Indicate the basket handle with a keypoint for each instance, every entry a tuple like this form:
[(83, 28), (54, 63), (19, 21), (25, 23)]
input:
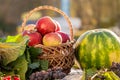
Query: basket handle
[(49, 8)]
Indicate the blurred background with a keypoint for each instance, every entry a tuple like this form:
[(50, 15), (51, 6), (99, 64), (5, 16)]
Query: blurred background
[(84, 14)]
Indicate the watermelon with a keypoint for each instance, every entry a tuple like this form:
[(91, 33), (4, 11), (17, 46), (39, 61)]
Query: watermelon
[(97, 48)]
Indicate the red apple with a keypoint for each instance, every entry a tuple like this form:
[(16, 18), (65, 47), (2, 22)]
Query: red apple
[(45, 25), (6, 78), (16, 77), (34, 38), (65, 36), (52, 39), (58, 26)]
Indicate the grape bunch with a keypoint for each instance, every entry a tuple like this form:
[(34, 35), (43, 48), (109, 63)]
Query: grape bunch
[(115, 68), (50, 74)]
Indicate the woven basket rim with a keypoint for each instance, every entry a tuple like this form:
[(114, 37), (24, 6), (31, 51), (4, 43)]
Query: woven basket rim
[(41, 45), (46, 7)]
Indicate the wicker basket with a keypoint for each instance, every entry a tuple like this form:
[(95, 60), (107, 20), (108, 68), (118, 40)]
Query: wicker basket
[(58, 56)]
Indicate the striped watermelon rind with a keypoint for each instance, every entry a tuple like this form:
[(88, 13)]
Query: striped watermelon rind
[(97, 48)]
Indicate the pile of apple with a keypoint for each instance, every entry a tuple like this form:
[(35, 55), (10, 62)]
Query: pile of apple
[(46, 31), (10, 78)]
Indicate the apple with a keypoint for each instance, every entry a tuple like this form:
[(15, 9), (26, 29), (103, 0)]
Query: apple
[(16, 77), (52, 39), (6, 78), (45, 25), (65, 36), (34, 38), (58, 26), (30, 27)]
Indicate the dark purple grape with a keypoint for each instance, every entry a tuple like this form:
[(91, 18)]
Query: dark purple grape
[(62, 75), (55, 76), (115, 68), (50, 74)]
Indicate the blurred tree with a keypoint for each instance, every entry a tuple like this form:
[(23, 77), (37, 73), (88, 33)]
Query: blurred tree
[(11, 11), (93, 13), (96, 13)]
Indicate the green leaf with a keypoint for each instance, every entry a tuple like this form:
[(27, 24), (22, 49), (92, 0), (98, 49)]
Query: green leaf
[(1, 74), (2, 39), (114, 76), (41, 64), (20, 65), (34, 52), (34, 65), (90, 72), (16, 38), (110, 75), (107, 76), (27, 56), (44, 64), (12, 50)]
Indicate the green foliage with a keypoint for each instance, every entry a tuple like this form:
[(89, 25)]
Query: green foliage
[(1, 74), (40, 64), (12, 49), (21, 65), (94, 74), (18, 67), (34, 52), (44, 64), (18, 58), (27, 55), (88, 73), (17, 39), (2, 39), (34, 65)]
